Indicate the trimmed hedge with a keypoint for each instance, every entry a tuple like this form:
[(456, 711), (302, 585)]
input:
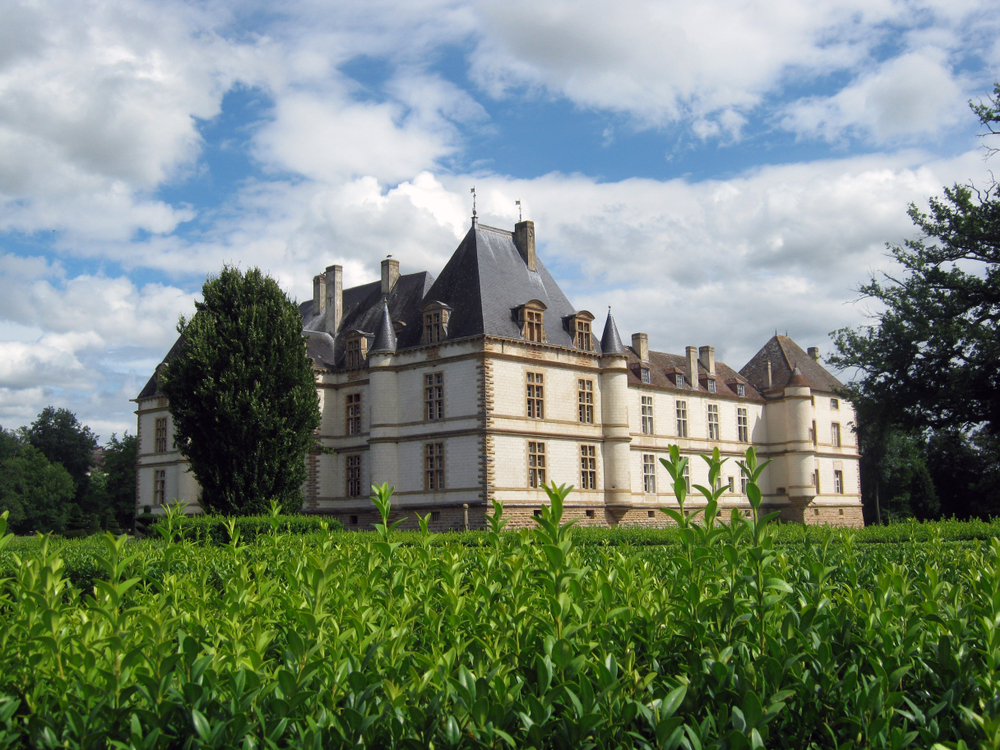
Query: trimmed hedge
[(211, 529)]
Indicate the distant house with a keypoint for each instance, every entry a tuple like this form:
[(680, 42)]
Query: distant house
[(487, 383)]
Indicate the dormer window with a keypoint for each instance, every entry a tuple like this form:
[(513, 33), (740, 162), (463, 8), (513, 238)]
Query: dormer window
[(436, 315), (531, 317), (741, 390), (357, 350), (711, 385), (644, 372), (580, 326), (680, 380)]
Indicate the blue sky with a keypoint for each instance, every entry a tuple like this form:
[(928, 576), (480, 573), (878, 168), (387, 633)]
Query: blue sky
[(713, 170)]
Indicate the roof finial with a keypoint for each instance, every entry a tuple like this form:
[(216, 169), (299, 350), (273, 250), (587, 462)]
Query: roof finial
[(474, 219), (520, 218)]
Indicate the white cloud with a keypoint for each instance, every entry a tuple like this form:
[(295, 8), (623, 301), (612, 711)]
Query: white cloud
[(912, 95)]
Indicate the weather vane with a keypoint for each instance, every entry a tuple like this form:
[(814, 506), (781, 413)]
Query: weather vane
[(473, 191), (519, 217)]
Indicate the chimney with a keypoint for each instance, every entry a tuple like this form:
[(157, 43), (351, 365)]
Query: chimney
[(319, 293), (390, 274), (768, 381), (524, 238), (692, 355), (706, 355), (640, 343), (334, 298), (814, 353)]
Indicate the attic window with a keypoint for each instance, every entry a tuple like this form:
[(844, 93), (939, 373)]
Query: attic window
[(680, 380), (436, 317), (580, 328), (645, 374), (531, 318), (357, 350), (711, 385), (741, 390)]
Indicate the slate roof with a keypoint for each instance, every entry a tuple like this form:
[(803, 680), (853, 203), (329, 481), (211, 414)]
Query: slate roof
[(785, 355), (611, 341), (663, 368), (485, 282), (363, 312)]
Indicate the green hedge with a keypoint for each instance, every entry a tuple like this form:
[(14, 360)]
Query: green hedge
[(209, 529)]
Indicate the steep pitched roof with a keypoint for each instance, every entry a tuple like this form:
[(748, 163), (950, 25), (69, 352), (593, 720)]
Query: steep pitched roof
[(663, 368), (385, 337), (611, 341), (363, 307), (487, 280), (785, 355)]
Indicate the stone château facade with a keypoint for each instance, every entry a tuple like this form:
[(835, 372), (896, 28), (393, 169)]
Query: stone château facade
[(486, 383)]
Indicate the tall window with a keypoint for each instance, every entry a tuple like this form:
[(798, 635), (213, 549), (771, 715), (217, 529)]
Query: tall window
[(161, 435), (648, 473), (835, 435), (732, 484), (743, 483), (687, 476), (433, 327), (644, 373), (434, 466), (159, 486), (353, 413), (741, 390), (816, 482), (532, 321), (536, 395), (713, 421), (582, 338), (434, 396), (586, 400), (536, 464), (711, 386), (647, 415), (357, 350), (354, 475), (588, 467), (838, 481), (682, 419), (742, 425), (680, 380)]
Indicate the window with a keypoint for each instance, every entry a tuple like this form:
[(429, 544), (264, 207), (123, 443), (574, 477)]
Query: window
[(161, 435), (812, 433), (357, 350), (644, 372), (588, 467), (536, 464), (532, 321), (712, 388), (647, 415), (835, 403), (742, 426), (159, 486), (838, 481), (649, 473), (835, 435), (353, 413), (582, 338), (354, 475), (743, 483), (434, 396), (682, 419), (536, 396), (732, 484), (815, 481), (741, 390), (680, 380), (433, 327), (687, 477), (434, 466), (586, 400), (713, 421)]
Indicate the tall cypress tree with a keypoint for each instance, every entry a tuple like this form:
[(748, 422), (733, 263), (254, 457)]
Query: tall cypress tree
[(242, 395)]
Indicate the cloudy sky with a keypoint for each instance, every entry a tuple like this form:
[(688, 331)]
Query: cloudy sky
[(715, 170)]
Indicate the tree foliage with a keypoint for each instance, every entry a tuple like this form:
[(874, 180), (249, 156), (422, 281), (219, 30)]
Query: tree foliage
[(243, 396), (36, 492), (120, 457), (60, 437)]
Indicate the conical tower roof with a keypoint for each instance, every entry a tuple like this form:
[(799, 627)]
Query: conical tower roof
[(611, 341)]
